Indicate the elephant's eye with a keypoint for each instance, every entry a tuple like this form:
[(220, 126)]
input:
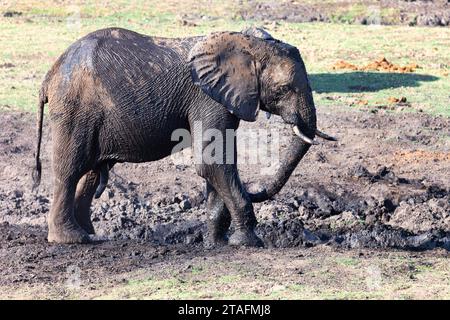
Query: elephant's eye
[(284, 89)]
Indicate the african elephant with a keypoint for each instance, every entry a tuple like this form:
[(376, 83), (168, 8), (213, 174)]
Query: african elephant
[(116, 96)]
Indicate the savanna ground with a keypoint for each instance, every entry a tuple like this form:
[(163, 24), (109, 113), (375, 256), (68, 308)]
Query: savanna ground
[(366, 217)]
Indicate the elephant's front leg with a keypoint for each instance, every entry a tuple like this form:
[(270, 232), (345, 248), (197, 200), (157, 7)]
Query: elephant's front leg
[(219, 218), (215, 156), (225, 180)]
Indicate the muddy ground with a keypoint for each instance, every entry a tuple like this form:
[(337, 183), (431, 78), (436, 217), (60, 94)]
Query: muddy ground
[(385, 12), (383, 185)]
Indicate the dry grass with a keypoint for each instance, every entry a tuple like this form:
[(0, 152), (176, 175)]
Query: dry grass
[(314, 273)]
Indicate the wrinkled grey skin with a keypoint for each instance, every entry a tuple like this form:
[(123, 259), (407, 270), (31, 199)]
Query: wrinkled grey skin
[(117, 96)]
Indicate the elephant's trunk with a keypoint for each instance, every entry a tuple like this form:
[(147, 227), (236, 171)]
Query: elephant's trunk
[(290, 161), (304, 125)]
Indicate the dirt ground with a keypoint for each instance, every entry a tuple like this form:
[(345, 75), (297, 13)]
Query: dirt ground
[(383, 187), (386, 12)]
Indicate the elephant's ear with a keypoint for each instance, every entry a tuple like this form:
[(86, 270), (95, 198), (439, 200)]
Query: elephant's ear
[(223, 67)]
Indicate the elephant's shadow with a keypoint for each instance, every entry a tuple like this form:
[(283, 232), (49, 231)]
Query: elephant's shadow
[(348, 82)]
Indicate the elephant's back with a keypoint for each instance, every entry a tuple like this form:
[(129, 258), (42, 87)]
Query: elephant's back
[(139, 71), (117, 60), (129, 57), (115, 51)]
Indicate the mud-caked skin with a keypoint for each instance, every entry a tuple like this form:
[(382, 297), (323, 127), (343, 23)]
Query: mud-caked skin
[(117, 96)]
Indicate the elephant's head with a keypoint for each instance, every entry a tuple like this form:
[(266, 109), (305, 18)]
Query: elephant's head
[(251, 71)]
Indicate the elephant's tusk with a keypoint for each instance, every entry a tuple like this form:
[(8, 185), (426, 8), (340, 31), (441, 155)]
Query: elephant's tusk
[(302, 136), (325, 136)]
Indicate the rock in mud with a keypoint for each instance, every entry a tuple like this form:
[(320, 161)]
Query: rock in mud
[(359, 171), (286, 233), (417, 218), (185, 205), (12, 13)]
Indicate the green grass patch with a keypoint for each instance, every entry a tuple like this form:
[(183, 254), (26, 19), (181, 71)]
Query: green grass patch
[(347, 261), (33, 41)]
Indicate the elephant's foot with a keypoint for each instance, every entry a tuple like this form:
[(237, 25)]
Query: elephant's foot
[(212, 241), (86, 224), (246, 238), (67, 234)]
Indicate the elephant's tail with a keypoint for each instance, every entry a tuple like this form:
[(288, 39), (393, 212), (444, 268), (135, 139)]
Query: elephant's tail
[(43, 99)]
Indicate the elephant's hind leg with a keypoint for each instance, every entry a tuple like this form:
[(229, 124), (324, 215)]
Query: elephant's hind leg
[(83, 198), (69, 165), (62, 225), (219, 218)]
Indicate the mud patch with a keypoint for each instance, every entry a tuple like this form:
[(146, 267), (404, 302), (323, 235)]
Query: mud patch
[(27, 258), (366, 12), (381, 64), (7, 65), (410, 221), (11, 14), (378, 217), (362, 191), (421, 156)]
